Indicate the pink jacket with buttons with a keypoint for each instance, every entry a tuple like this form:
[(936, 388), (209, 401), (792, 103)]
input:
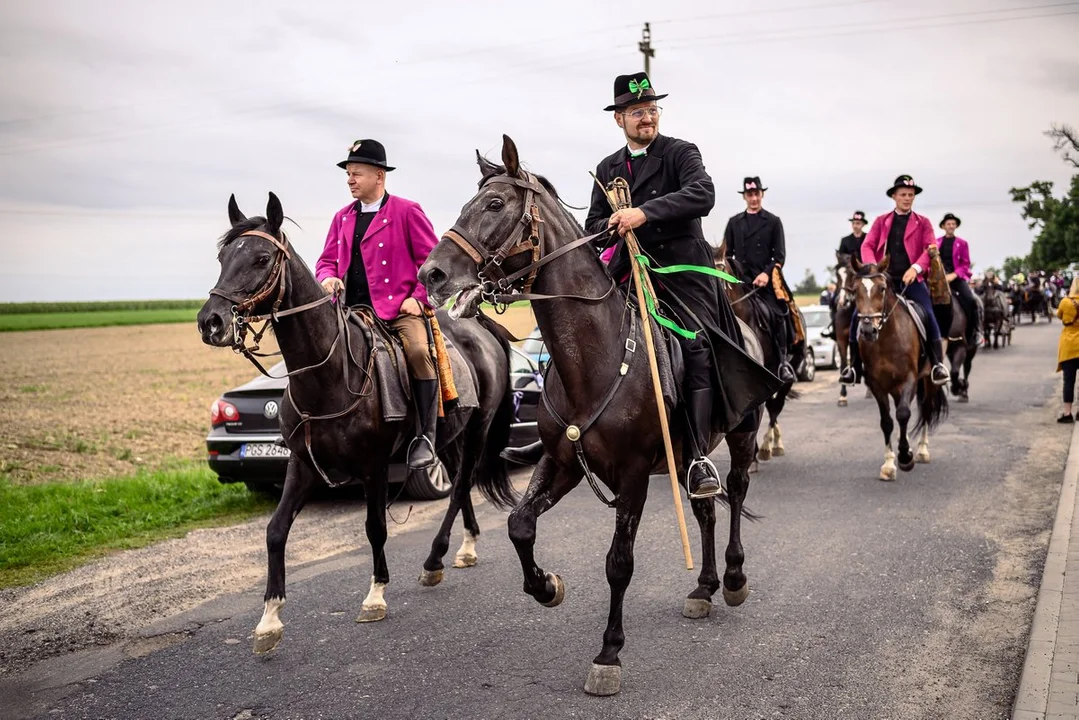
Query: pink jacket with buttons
[(394, 247)]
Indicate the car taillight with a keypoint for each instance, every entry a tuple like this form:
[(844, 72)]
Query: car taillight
[(222, 412)]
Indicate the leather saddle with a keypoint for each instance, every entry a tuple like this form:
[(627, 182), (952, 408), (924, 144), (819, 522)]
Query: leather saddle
[(391, 368)]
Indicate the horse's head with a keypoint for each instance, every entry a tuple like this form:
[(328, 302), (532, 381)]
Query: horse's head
[(253, 256), (872, 289), (847, 278), (497, 238)]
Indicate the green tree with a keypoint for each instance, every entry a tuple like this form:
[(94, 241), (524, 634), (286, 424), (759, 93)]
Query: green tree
[(809, 285), (1056, 219), (1013, 265)]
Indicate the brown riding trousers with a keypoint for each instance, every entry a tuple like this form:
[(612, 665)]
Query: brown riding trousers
[(413, 333)]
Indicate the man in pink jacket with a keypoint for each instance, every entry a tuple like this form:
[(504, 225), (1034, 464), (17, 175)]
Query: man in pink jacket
[(955, 255), (373, 252), (905, 237)]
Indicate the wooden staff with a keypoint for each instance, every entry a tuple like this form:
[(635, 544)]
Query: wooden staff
[(619, 199)]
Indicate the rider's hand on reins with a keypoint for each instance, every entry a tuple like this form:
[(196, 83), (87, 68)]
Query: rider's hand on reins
[(627, 219), (910, 276), (333, 286)]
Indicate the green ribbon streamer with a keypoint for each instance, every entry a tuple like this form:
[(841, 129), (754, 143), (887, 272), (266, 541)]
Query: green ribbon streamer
[(650, 302)]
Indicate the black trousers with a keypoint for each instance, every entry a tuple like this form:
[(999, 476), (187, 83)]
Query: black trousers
[(969, 304), (1069, 368), (781, 322)]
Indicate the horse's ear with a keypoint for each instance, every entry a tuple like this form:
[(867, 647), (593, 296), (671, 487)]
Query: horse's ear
[(235, 216), (486, 166), (509, 157), (274, 215), (883, 266), (855, 262)]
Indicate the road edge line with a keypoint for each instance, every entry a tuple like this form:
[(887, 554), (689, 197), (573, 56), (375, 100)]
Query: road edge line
[(1032, 697)]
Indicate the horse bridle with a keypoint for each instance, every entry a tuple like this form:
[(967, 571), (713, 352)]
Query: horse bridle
[(886, 313), (276, 281), (496, 287)]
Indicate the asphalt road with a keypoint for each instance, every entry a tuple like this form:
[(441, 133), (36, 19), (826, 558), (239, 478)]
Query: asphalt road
[(909, 599)]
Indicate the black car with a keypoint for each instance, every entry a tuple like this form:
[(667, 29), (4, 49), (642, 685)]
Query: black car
[(244, 427)]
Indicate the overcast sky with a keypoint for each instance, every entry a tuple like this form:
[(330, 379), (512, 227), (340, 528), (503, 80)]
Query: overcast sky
[(125, 124)]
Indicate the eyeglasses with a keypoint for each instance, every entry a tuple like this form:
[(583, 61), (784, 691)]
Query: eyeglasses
[(654, 111)]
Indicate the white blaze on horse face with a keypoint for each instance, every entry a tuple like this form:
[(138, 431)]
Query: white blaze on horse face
[(868, 284)]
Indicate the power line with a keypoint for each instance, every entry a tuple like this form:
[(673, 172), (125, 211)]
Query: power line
[(833, 30), (772, 11)]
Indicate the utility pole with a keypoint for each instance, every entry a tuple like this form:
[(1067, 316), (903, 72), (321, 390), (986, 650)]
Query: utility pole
[(646, 47)]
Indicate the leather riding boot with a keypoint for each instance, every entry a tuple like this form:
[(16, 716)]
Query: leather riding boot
[(785, 372), (853, 371), (702, 479), (527, 455), (939, 373), (421, 452)]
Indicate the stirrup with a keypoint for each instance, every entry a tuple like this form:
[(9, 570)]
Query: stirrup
[(408, 453), (933, 370), (853, 377), (703, 460)]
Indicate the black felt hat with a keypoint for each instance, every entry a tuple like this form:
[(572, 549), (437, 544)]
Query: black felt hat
[(903, 181), (858, 215), (948, 217), (368, 152), (632, 89), (751, 183)]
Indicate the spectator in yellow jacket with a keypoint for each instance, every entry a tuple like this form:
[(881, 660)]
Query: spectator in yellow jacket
[(1068, 350)]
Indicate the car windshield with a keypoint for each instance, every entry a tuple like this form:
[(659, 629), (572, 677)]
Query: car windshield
[(533, 344), (520, 363), (816, 318)]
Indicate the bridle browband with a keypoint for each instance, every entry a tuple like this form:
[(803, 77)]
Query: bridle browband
[(498, 288), (886, 313)]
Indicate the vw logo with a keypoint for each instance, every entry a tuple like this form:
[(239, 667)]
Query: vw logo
[(270, 410)]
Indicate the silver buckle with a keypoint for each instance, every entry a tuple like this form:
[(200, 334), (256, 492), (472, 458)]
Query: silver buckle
[(631, 345)]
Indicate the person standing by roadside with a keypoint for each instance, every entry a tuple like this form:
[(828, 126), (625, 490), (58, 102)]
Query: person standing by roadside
[(1068, 348)]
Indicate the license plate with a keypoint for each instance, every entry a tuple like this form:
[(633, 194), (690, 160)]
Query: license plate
[(263, 450)]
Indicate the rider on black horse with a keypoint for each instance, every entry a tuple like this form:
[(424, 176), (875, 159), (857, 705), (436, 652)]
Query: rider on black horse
[(955, 254), (755, 239), (672, 192), (851, 245), (904, 237), (373, 253)]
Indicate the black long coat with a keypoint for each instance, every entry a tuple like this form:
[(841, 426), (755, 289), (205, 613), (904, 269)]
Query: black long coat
[(851, 245), (758, 251), (673, 189)]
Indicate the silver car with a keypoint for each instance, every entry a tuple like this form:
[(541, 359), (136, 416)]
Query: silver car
[(825, 350)]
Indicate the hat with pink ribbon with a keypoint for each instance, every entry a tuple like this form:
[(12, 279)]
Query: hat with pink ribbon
[(751, 183), (903, 181)]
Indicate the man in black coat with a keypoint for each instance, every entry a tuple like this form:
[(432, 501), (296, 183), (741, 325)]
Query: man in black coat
[(671, 192), (850, 246), (754, 239)]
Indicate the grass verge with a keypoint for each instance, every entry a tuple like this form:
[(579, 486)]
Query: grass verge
[(55, 526), (96, 318)]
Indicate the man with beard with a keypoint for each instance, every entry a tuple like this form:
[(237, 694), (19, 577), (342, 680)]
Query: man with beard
[(672, 192)]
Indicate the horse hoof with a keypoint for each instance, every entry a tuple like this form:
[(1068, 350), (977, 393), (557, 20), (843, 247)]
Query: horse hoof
[(764, 455), (754, 468), (887, 474), (465, 561), (734, 598), (922, 458), (842, 402), (963, 399), (906, 466), (374, 613), (779, 452), (603, 680), (430, 578), (265, 642), (559, 592), (696, 608)]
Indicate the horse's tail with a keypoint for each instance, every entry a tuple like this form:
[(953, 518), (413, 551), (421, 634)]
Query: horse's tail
[(493, 478), (932, 405), (793, 394)]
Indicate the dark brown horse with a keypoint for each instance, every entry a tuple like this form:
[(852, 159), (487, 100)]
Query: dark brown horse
[(759, 320), (895, 367), (846, 291), (961, 353), (599, 416), (331, 416), (996, 315), (1032, 300)]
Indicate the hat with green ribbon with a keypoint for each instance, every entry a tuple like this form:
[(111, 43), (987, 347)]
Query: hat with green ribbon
[(632, 89)]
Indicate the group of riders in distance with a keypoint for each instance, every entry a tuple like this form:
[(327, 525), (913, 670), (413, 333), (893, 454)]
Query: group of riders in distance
[(376, 366)]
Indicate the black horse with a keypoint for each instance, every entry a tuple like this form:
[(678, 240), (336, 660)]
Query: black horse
[(332, 413), (1032, 300), (749, 306), (600, 409), (960, 352), (996, 321)]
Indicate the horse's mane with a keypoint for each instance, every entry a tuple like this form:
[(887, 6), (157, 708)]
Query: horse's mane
[(867, 270), (547, 185)]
